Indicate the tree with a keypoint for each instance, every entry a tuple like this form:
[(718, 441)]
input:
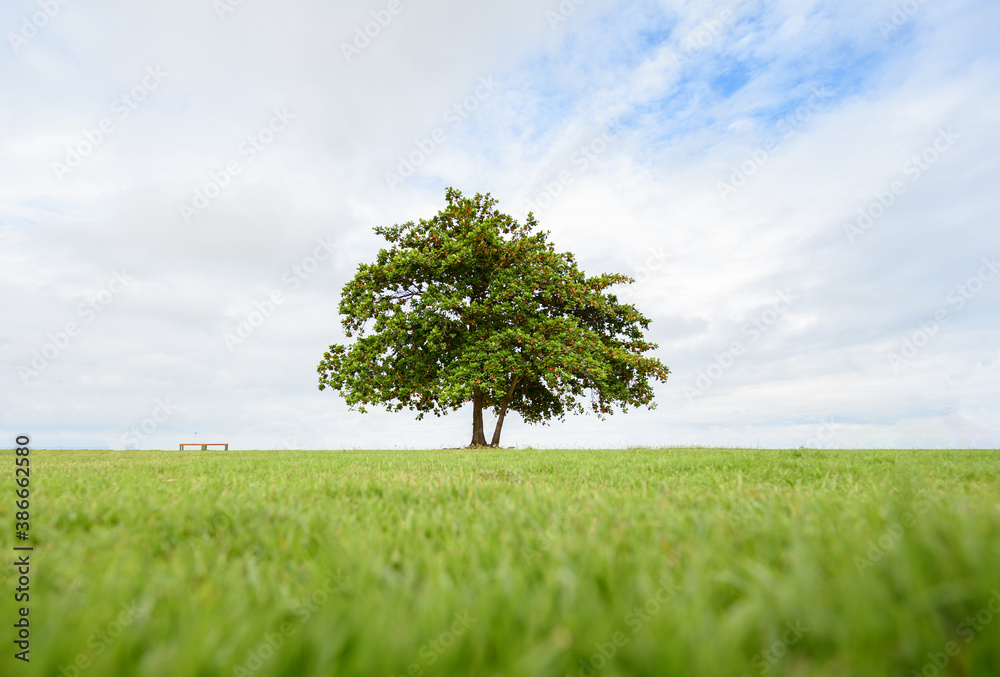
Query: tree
[(471, 306)]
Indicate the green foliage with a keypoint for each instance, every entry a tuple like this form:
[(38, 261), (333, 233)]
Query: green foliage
[(471, 305), (551, 552)]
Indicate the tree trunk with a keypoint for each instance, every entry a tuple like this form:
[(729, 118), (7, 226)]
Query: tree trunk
[(503, 412), (478, 438)]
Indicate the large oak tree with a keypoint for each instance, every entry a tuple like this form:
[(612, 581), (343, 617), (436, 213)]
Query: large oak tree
[(472, 306)]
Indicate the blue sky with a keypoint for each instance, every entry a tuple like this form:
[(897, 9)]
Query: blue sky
[(804, 191)]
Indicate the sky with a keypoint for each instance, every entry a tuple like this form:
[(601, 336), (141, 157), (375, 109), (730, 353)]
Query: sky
[(805, 192)]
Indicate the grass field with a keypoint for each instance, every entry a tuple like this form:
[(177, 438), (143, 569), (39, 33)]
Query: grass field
[(500, 562)]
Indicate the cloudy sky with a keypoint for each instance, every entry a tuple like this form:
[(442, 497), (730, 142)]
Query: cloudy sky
[(806, 193)]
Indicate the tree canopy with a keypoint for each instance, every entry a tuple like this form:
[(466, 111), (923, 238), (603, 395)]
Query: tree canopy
[(472, 306)]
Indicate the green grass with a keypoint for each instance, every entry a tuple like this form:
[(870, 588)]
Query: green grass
[(360, 562)]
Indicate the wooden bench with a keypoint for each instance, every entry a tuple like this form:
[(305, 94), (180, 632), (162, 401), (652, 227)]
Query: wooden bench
[(205, 445)]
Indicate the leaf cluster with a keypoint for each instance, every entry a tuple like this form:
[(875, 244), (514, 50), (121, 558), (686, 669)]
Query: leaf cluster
[(472, 302)]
